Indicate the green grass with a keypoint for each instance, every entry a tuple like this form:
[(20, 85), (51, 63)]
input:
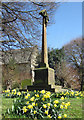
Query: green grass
[(6, 103), (74, 111)]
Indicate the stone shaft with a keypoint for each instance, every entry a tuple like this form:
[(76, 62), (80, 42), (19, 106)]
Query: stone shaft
[(44, 44)]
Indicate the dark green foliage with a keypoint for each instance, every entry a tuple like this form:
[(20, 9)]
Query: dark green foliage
[(26, 82), (55, 56)]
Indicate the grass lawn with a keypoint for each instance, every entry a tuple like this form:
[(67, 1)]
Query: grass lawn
[(74, 111)]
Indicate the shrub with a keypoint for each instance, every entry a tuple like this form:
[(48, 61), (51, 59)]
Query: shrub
[(25, 82)]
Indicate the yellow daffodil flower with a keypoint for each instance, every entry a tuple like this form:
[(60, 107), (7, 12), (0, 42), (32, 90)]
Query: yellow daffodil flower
[(55, 105), (72, 93), (28, 94), (43, 99), (48, 104), (56, 101), (59, 117), (46, 112), (30, 106), (26, 97), (42, 91), (65, 115), (63, 103), (32, 99), (35, 91), (27, 102), (19, 93), (62, 98), (33, 104), (44, 106), (34, 112), (65, 106), (24, 109), (49, 116), (37, 95), (61, 106)]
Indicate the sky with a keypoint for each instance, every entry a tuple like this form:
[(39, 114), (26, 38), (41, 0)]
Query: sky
[(68, 25)]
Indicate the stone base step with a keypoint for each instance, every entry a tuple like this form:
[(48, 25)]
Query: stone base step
[(40, 87), (56, 86), (52, 88), (60, 90)]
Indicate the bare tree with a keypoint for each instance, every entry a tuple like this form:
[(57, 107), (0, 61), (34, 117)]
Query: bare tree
[(74, 56), (67, 75), (21, 23)]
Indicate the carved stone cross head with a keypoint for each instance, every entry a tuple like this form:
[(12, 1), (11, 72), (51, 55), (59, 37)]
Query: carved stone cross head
[(45, 15)]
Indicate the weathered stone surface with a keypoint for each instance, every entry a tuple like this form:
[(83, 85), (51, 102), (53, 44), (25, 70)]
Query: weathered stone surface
[(44, 76), (25, 61), (44, 40)]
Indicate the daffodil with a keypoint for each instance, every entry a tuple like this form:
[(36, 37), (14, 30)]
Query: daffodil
[(32, 99), (28, 94), (46, 112), (49, 93), (48, 104), (26, 97), (30, 106), (8, 91), (62, 98), (49, 116), (44, 106), (27, 102), (65, 115), (63, 103), (19, 93), (35, 91), (34, 112), (65, 106), (59, 117), (56, 101), (24, 109), (36, 104), (42, 91), (61, 106), (37, 95), (72, 93), (55, 105), (33, 104), (68, 103), (46, 96), (43, 99)]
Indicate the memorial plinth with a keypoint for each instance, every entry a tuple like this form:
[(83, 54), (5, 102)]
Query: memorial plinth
[(44, 76)]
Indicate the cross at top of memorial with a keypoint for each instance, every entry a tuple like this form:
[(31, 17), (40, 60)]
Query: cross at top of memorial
[(44, 14)]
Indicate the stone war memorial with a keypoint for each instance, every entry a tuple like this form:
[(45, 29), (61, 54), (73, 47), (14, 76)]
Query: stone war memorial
[(44, 75)]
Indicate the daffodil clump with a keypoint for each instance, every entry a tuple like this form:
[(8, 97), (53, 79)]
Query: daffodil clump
[(13, 93), (66, 94), (70, 94), (39, 104)]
